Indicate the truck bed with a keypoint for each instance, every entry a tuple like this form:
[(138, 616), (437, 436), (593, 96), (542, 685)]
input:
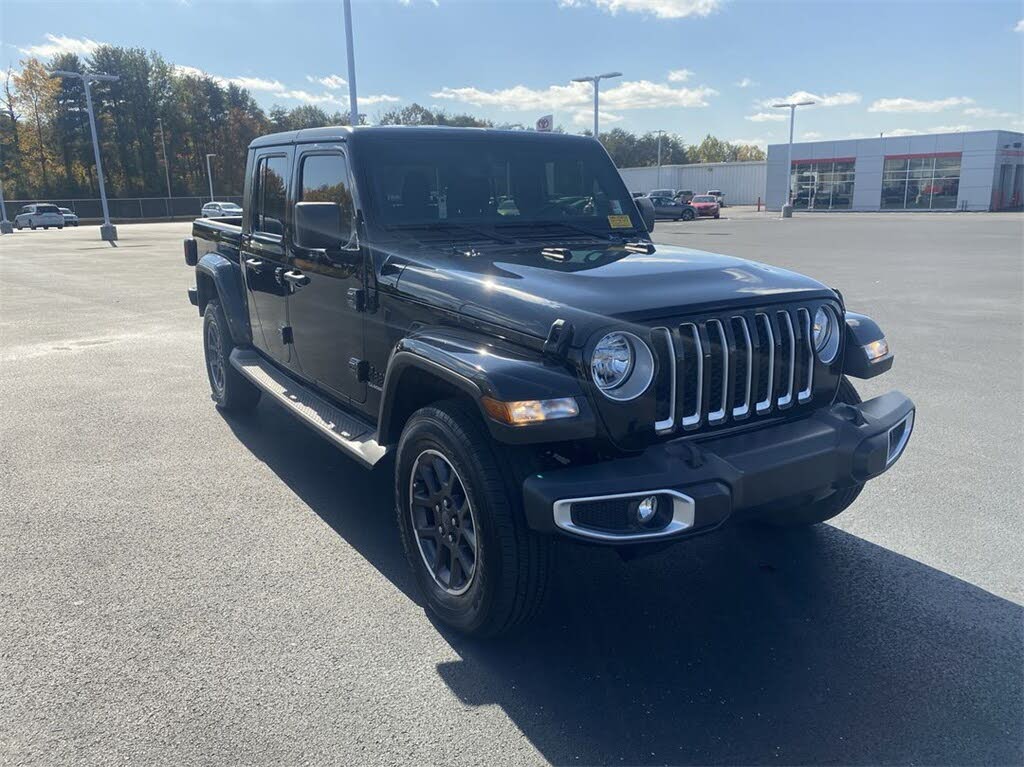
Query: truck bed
[(222, 235)]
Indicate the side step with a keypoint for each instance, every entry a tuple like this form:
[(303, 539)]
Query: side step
[(350, 433)]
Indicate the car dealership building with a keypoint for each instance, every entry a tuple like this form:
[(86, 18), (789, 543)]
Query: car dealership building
[(974, 170)]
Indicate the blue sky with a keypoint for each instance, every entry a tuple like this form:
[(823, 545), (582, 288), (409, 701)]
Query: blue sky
[(689, 66)]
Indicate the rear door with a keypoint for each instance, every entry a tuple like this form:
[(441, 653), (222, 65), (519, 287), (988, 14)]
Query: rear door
[(264, 252), (325, 309)]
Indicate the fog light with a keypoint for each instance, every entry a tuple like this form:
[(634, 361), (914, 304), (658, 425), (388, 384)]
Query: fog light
[(647, 509)]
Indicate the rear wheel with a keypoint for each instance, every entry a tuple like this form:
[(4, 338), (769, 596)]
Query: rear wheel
[(229, 388), (480, 569), (828, 507)]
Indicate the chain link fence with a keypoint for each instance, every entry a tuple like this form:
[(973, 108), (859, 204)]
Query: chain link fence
[(123, 209)]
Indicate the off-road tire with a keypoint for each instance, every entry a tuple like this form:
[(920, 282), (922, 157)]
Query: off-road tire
[(512, 562), (229, 389), (825, 508)]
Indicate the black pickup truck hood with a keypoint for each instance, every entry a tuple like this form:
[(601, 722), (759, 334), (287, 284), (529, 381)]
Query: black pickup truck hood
[(526, 288)]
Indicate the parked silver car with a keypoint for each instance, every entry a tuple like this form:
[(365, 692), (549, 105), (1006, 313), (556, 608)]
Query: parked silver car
[(70, 217), (220, 209), (39, 214)]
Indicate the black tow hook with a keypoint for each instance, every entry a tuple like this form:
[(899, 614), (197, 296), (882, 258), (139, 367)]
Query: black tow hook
[(850, 413), (692, 455)]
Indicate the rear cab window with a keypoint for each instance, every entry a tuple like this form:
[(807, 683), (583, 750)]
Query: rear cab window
[(270, 195)]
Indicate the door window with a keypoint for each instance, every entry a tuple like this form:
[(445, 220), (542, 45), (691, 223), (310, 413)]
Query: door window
[(271, 195)]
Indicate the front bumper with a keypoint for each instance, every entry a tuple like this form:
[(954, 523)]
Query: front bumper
[(708, 481)]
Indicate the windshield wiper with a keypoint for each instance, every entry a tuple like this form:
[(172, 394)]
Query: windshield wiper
[(613, 236), (442, 226)]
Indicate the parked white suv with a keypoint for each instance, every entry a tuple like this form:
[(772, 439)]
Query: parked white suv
[(220, 209), (39, 214)]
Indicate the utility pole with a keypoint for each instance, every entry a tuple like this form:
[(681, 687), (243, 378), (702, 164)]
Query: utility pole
[(353, 107), (108, 232), (167, 162), (660, 134), (787, 207), (596, 80), (6, 227), (209, 175)]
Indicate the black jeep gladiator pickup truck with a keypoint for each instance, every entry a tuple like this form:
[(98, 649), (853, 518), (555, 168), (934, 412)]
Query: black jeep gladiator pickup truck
[(487, 310)]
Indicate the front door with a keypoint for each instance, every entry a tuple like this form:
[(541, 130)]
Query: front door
[(264, 254), (325, 310)]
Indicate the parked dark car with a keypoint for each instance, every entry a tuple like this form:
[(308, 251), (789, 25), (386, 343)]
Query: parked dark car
[(684, 196), (666, 207), (531, 370)]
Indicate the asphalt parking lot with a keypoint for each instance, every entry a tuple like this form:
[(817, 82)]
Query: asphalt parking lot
[(182, 587)]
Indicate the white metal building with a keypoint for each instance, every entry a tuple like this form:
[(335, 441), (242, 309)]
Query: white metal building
[(742, 183), (976, 170)]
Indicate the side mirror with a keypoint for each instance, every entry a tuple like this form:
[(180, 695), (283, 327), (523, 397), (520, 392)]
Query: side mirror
[(321, 226), (646, 208)]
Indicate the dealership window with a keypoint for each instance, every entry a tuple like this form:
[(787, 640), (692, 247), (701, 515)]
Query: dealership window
[(823, 184), (920, 182)]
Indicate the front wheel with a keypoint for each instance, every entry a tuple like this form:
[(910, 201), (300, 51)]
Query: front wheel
[(480, 569), (688, 215), (825, 508), (717, 216), (228, 388)]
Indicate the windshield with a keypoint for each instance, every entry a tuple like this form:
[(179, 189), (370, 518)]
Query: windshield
[(230, 207), (64, 210), (46, 209), (703, 198), (493, 181)]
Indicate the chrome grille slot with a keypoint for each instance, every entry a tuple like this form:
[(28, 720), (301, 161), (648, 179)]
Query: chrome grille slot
[(743, 368), (692, 380), (718, 374), (666, 351), (766, 363), (807, 356), (787, 359)]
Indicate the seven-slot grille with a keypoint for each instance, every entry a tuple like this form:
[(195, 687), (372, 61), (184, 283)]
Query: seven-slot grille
[(733, 367)]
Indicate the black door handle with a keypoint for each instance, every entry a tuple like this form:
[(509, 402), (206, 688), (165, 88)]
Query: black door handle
[(255, 263), (296, 278)]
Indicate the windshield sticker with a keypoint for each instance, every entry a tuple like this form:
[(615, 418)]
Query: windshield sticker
[(616, 207), (619, 222)]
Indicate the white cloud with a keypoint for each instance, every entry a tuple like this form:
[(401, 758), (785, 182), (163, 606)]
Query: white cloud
[(187, 71), (309, 98), (585, 118), (987, 112), (811, 135), (950, 129), (407, 3), (897, 132), (380, 98), (82, 46), (679, 75), (662, 9), (331, 82), (745, 82), (1019, 27), (918, 105), (764, 117), (760, 141), (251, 83), (840, 99), (639, 94)]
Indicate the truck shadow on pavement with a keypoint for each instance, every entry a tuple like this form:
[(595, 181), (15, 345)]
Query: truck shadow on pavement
[(739, 647)]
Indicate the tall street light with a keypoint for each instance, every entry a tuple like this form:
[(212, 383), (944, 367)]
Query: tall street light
[(660, 134), (108, 231), (353, 108), (209, 175), (787, 207), (167, 163), (596, 80)]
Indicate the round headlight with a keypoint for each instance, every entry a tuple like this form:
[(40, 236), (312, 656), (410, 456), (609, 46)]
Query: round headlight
[(826, 334), (622, 366)]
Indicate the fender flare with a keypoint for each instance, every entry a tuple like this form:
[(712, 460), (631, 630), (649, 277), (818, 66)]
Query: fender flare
[(217, 277), (479, 366), (861, 330)]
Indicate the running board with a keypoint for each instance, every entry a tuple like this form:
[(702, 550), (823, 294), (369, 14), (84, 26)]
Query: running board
[(350, 433)]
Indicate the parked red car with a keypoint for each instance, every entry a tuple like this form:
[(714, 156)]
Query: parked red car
[(705, 205)]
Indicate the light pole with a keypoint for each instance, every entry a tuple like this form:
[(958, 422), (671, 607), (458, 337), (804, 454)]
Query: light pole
[(108, 231), (660, 134), (6, 227), (209, 175), (596, 80), (787, 206), (353, 108), (167, 163)]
